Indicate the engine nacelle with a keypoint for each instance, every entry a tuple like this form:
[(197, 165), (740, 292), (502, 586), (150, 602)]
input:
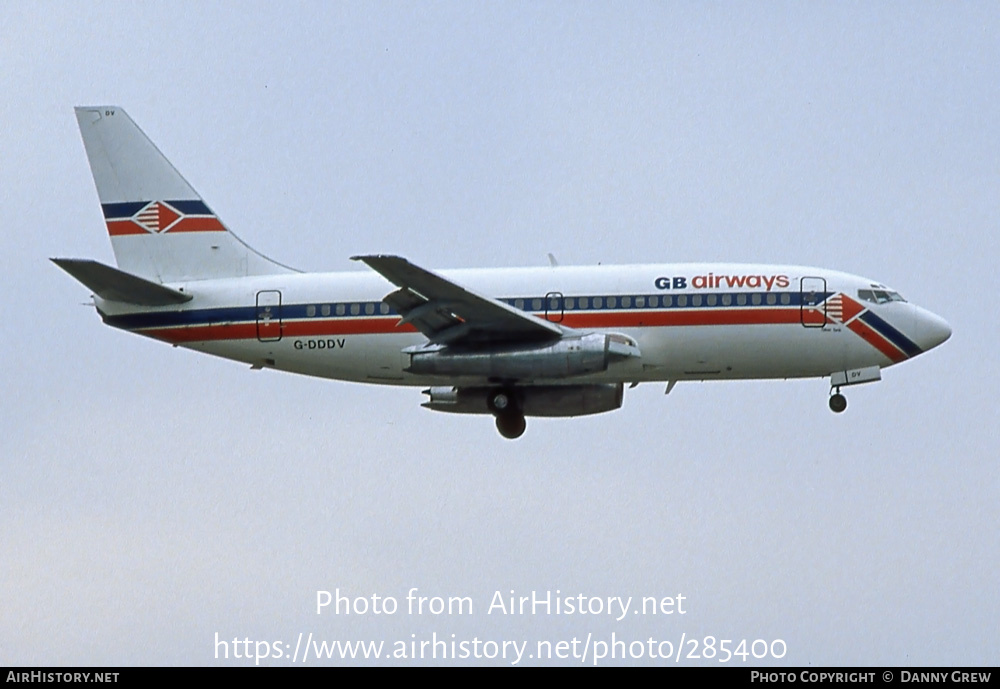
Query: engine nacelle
[(570, 356), (543, 400)]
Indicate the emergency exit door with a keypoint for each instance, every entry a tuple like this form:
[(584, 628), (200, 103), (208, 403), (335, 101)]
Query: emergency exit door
[(269, 316), (812, 300)]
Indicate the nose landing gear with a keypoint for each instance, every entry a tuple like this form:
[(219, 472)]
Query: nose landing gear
[(838, 402), (854, 376)]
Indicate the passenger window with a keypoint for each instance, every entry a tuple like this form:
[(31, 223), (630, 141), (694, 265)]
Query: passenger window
[(626, 302), (727, 299), (325, 309), (772, 299), (570, 304), (612, 302), (519, 304), (536, 304), (369, 308), (682, 300), (712, 299), (584, 302), (310, 311), (741, 300), (598, 302), (640, 302), (383, 308), (340, 309), (355, 309), (755, 299), (696, 300), (786, 298)]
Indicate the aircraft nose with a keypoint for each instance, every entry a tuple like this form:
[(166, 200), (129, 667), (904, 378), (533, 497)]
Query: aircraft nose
[(930, 329)]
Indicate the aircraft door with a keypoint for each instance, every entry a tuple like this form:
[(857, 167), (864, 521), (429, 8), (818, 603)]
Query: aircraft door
[(269, 315), (812, 300), (554, 306)]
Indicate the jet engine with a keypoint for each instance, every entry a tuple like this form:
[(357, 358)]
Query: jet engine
[(570, 356)]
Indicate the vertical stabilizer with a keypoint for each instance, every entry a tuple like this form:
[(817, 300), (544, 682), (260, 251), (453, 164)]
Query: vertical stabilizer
[(160, 227)]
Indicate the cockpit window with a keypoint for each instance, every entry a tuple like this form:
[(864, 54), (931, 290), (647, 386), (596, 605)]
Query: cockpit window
[(879, 296)]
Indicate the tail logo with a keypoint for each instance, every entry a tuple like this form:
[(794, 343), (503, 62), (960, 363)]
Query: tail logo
[(842, 308), (158, 217)]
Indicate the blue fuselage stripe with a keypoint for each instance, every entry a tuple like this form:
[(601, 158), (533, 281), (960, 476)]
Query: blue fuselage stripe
[(567, 304), (890, 333)]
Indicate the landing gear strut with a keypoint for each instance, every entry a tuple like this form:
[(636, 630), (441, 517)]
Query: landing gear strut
[(838, 402), (507, 410)]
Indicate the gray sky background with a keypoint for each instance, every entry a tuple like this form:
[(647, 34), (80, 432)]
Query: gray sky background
[(151, 497)]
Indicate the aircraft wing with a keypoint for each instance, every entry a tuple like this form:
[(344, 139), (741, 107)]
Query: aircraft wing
[(450, 314)]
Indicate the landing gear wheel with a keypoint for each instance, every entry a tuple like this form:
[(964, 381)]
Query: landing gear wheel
[(511, 424), (505, 404), (838, 403)]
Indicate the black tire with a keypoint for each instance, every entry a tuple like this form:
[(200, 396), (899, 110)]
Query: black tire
[(838, 403), (511, 426)]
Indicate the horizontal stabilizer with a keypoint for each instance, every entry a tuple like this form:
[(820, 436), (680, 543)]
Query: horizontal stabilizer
[(117, 285)]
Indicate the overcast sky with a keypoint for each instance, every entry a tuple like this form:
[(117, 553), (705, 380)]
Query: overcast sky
[(153, 497)]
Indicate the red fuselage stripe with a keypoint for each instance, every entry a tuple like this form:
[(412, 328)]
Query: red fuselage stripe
[(382, 325), (876, 340)]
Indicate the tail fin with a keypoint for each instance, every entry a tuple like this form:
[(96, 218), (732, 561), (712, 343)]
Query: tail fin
[(160, 228)]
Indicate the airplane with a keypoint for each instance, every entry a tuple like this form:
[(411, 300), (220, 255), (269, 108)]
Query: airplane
[(548, 341)]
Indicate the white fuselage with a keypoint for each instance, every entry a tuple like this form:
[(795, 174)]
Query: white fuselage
[(690, 321)]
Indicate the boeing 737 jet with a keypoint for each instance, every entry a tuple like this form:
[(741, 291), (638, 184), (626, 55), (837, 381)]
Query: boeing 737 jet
[(554, 341)]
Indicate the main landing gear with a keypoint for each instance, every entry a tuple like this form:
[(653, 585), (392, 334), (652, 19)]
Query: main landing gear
[(507, 409), (838, 402)]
